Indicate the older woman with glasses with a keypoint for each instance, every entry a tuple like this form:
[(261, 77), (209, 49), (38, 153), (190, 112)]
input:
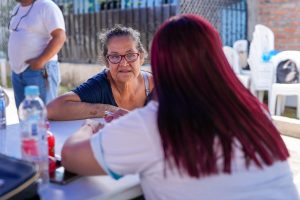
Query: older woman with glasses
[(119, 88)]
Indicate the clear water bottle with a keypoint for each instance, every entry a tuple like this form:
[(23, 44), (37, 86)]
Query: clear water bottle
[(2, 110), (32, 115)]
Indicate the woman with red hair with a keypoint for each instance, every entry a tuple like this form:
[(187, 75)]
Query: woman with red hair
[(206, 136)]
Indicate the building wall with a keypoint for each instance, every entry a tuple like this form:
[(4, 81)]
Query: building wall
[(283, 18)]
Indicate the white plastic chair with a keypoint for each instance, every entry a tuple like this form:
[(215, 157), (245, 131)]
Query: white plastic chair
[(241, 46), (261, 72), (280, 90), (233, 59)]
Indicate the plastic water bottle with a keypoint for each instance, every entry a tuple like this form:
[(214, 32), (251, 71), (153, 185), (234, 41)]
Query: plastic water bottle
[(32, 114), (2, 110)]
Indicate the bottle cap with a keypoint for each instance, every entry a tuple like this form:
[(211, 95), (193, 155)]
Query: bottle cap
[(32, 90)]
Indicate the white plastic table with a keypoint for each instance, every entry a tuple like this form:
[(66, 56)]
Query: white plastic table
[(93, 187), (104, 187)]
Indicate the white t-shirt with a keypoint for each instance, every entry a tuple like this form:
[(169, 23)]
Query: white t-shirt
[(132, 145), (33, 32)]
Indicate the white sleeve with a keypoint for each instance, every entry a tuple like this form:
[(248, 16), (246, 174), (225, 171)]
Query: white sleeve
[(96, 144), (125, 146), (53, 17)]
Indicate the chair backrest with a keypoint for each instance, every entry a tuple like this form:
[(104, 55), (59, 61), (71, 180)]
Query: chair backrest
[(261, 73), (265, 36), (294, 56), (241, 46), (232, 57), (262, 42)]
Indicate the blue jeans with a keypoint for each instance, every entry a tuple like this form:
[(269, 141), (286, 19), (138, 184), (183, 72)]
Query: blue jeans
[(48, 86)]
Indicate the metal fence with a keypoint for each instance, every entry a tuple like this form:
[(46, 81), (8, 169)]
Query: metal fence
[(86, 18), (228, 16)]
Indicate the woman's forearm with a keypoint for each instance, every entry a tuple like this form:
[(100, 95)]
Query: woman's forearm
[(70, 110), (83, 162)]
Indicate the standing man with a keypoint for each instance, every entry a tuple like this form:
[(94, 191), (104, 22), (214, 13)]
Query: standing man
[(37, 33)]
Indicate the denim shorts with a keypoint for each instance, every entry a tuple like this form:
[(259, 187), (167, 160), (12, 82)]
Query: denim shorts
[(48, 86)]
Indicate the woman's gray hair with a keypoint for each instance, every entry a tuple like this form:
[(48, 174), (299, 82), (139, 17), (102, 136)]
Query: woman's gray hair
[(118, 31)]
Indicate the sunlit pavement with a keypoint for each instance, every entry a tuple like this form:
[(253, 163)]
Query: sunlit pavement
[(293, 145), (11, 110)]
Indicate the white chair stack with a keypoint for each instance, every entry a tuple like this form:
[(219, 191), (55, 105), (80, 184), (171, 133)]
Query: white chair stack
[(241, 46), (278, 91), (261, 72), (233, 59)]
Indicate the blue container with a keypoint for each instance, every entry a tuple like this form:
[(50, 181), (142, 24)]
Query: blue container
[(2, 110)]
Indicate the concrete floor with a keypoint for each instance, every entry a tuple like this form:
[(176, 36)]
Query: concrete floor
[(293, 145), (11, 110)]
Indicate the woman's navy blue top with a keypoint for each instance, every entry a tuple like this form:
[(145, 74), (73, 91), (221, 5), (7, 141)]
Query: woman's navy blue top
[(98, 90)]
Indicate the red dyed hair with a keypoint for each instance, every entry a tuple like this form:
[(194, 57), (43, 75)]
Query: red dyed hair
[(201, 99)]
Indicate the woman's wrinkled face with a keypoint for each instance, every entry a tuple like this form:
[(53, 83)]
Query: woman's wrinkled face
[(129, 66)]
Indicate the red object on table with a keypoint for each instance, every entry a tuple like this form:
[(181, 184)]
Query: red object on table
[(52, 165), (29, 147), (51, 150), (51, 141)]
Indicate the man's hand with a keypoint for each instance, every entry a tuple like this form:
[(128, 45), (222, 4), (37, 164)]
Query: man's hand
[(36, 63), (53, 47)]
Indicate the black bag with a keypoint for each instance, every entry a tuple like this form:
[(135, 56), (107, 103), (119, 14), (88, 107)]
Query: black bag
[(18, 179), (287, 72)]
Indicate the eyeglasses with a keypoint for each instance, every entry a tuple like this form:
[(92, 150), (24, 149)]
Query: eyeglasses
[(116, 59), (16, 28)]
